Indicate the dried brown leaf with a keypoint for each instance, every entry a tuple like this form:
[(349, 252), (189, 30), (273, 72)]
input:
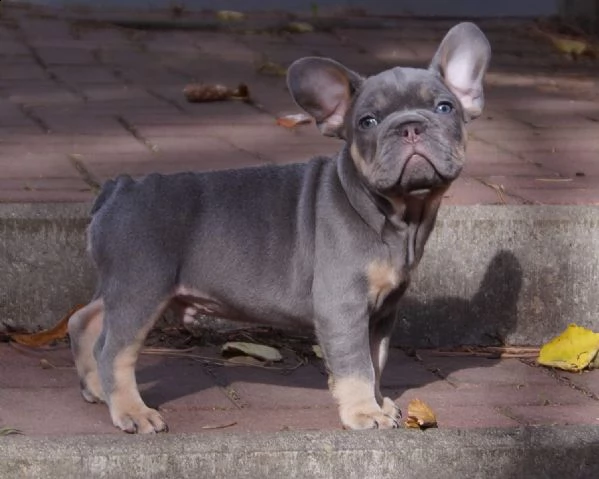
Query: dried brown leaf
[(204, 93), (291, 121), (420, 414), (47, 336)]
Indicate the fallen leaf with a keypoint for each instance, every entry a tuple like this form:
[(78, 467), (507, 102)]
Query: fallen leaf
[(258, 351), (45, 364), (219, 426), (291, 121), (556, 180), (573, 350), (47, 336), (420, 415), (243, 361), (569, 46), (202, 93), (299, 27), (7, 431), (230, 16), (270, 68), (488, 351), (317, 351)]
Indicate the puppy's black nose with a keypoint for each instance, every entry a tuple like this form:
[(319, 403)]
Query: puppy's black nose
[(411, 132)]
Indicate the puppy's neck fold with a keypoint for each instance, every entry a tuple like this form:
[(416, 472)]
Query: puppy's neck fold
[(360, 198)]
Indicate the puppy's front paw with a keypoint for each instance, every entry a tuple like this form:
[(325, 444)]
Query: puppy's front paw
[(358, 408), (370, 416), (142, 419), (391, 409)]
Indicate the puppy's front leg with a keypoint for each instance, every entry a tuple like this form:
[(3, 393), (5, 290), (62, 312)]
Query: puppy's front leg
[(380, 337), (346, 347)]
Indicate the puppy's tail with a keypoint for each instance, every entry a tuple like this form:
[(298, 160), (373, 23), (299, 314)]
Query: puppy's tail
[(108, 190)]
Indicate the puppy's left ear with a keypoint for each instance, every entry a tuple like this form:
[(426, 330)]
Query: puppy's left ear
[(462, 60), (323, 88)]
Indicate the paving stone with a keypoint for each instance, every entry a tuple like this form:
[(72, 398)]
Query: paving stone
[(21, 162), (66, 56), (305, 388), (471, 417), (102, 37), (39, 93), (53, 411), (556, 415), (84, 74), (587, 380), (46, 196), (471, 191), (37, 28), (23, 72)]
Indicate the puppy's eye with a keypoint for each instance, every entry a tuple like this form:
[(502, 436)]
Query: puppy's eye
[(367, 122), (444, 107)]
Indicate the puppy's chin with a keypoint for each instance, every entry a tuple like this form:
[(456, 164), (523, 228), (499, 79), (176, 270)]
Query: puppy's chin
[(418, 178)]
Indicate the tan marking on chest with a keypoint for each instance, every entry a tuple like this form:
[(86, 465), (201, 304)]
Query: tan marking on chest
[(382, 279), (359, 160)]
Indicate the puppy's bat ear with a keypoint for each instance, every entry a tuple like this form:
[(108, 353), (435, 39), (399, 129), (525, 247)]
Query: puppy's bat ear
[(462, 60), (324, 89)]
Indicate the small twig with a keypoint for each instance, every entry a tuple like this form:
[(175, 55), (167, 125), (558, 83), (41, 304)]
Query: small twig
[(7, 431), (207, 359), (498, 189), (219, 426)]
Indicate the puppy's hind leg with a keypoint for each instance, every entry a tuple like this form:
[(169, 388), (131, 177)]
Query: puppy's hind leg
[(85, 326), (128, 318)]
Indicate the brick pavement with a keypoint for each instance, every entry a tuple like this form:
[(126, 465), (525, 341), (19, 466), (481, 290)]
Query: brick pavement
[(39, 393), (112, 97)]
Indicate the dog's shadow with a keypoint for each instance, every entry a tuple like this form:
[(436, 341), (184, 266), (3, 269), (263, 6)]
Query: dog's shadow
[(485, 319)]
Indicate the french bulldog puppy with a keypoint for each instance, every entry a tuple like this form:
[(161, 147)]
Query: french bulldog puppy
[(330, 243)]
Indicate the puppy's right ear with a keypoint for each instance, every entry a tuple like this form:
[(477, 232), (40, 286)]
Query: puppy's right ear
[(324, 89)]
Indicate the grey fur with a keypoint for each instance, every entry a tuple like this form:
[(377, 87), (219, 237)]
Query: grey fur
[(293, 244)]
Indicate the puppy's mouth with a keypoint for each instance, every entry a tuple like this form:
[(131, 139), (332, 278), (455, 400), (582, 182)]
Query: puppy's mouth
[(419, 176)]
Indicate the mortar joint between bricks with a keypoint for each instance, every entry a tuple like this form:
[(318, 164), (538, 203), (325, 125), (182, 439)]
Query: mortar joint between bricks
[(44, 66), (562, 379), (133, 131)]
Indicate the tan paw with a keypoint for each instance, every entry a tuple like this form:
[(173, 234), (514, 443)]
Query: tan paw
[(358, 408), (370, 417), (142, 420), (91, 390), (391, 409)]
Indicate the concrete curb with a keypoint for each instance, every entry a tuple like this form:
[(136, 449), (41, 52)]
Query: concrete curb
[(490, 274), (570, 451)]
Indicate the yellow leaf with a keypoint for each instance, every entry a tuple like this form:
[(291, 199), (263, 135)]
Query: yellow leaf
[(300, 27), (569, 46), (317, 350), (420, 415), (230, 16), (271, 68), (573, 350)]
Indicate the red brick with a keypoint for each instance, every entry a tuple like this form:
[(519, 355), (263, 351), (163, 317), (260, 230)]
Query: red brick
[(556, 415)]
